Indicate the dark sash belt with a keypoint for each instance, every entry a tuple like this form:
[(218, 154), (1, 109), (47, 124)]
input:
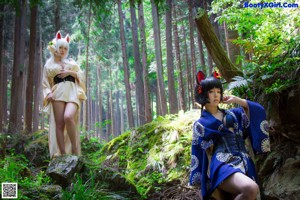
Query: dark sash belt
[(56, 79), (230, 143)]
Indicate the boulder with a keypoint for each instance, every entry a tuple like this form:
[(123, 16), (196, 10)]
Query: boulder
[(52, 191), (45, 192), (63, 168), (115, 181), (37, 151), (284, 183)]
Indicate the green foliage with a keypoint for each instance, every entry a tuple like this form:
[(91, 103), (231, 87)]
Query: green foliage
[(153, 154), (271, 36), (266, 33), (14, 169)]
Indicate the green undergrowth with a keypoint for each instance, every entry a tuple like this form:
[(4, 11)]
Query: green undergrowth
[(14, 169), (153, 154)]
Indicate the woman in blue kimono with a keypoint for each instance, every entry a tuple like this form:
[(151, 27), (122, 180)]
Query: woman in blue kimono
[(220, 162)]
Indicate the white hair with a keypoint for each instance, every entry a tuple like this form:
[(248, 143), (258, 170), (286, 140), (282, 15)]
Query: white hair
[(62, 42)]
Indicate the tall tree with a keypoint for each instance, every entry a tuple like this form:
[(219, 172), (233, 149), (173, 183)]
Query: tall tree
[(108, 116), (148, 111), (29, 88), (6, 46), (139, 85), (201, 50), (188, 72), (87, 105), (38, 74), (233, 50), (13, 116), (126, 68), (173, 103), (158, 55), (192, 48), (122, 112), (1, 64), (181, 92), (57, 21), (22, 68), (100, 103), (111, 105), (117, 114)]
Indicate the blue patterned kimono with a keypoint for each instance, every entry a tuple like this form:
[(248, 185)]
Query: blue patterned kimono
[(218, 147)]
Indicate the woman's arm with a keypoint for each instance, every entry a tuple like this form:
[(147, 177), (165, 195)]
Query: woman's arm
[(234, 99)]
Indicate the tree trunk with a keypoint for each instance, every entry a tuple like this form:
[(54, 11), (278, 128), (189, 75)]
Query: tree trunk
[(87, 105), (210, 64), (1, 66), (201, 51), (117, 114), (226, 67), (122, 112), (29, 88), (108, 116), (234, 50), (173, 102), (13, 112), (57, 15), (111, 107), (37, 82), (158, 55), (6, 34), (139, 84), (126, 68), (192, 48), (99, 90), (181, 94), (188, 78), (148, 111)]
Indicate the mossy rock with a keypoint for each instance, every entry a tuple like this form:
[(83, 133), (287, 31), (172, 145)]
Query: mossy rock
[(37, 151)]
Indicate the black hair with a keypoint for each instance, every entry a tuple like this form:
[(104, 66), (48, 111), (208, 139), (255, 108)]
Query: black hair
[(202, 89)]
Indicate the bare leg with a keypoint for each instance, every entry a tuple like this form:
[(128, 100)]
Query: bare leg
[(69, 118), (240, 185), (59, 109)]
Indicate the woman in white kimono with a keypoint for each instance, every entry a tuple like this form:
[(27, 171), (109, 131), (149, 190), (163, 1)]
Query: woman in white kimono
[(64, 90)]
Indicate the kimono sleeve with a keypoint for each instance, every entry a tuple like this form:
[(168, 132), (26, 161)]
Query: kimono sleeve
[(198, 156), (258, 128), (46, 85)]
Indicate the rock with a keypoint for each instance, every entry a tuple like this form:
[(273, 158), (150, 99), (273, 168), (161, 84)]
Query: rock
[(284, 183), (37, 151), (52, 191), (45, 192), (115, 180), (269, 164), (63, 168)]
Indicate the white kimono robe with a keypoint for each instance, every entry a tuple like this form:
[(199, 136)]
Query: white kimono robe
[(66, 91)]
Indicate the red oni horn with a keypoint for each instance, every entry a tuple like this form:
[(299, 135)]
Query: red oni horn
[(200, 77)]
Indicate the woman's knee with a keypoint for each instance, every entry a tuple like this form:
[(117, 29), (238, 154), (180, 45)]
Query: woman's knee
[(69, 118), (60, 125), (250, 190)]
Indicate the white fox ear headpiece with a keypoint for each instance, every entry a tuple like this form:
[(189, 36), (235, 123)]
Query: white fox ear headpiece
[(57, 42)]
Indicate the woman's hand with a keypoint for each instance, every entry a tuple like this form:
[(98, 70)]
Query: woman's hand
[(234, 99), (64, 73), (229, 99), (50, 97)]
